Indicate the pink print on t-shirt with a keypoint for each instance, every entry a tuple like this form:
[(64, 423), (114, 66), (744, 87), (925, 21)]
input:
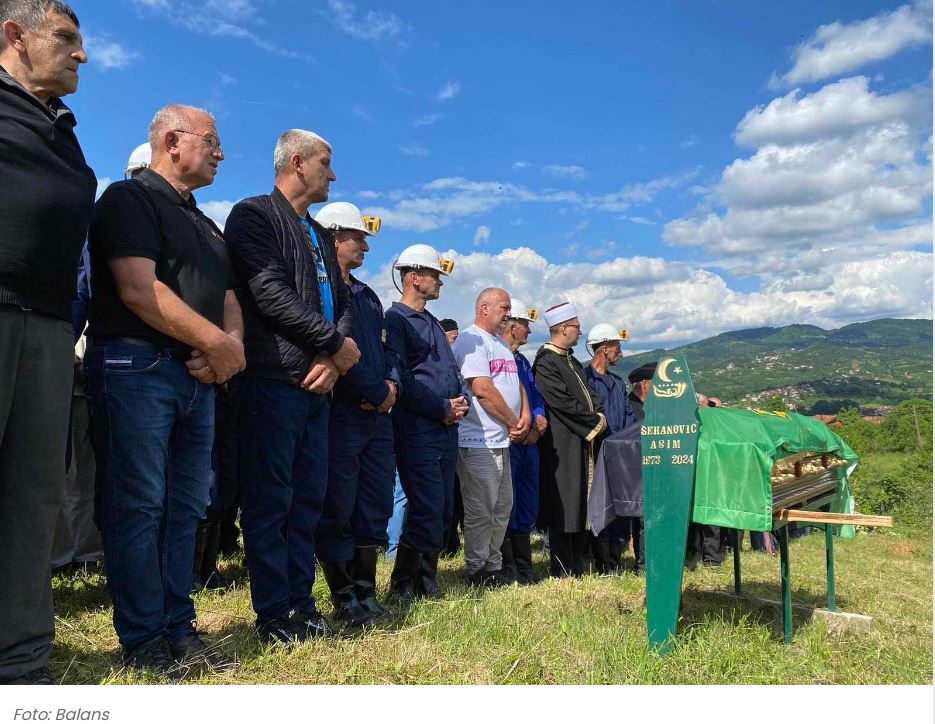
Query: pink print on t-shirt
[(502, 365)]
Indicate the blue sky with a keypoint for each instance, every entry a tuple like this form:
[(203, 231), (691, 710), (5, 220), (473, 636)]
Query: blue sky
[(678, 168)]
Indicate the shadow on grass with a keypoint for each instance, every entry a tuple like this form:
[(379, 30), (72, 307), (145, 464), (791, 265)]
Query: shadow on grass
[(698, 606)]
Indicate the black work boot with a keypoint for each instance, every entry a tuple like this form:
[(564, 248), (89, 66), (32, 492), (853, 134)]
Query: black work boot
[(201, 540), (508, 570), (211, 577), (405, 573), (347, 609), (427, 584), (522, 555), (364, 573)]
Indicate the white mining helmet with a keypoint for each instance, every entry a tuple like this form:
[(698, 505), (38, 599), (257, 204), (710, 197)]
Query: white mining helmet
[(141, 158), (344, 215), (605, 333), (422, 256), (518, 310)]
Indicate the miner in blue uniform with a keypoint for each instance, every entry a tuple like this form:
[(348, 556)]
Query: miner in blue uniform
[(604, 343), (524, 456), (425, 420), (361, 469)]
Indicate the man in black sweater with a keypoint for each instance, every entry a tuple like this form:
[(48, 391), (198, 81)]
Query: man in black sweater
[(46, 199)]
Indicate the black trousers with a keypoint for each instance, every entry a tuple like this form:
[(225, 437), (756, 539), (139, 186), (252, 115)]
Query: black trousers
[(36, 376), (566, 551), (704, 541)]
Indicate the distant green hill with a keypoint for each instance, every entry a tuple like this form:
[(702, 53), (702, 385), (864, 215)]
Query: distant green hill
[(871, 365)]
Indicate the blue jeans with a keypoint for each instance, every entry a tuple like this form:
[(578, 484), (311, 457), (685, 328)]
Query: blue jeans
[(394, 529), (284, 474), (152, 430)]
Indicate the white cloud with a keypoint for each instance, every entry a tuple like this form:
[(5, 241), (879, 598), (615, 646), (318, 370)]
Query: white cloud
[(638, 220), (102, 183), (837, 109), (692, 140), (428, 119), (448, 91), (107, 54), (638, 193), (839, 48), (237, 19), (227, 79), (413, 149), (666, 303), (373, 26), (838, 175), (217, 211), (519, 165), (573, 172), (481, 235), (441, 202)]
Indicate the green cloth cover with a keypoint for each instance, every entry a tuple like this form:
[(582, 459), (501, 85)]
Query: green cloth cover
[(736, 452)]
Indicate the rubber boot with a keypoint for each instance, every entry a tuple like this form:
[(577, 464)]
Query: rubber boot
[(600, 549), (364, 573), (508, 572), (522, 555), (428, 572), (615, 555), (405, 573), (201, 541), (210, 575), (347, 609)]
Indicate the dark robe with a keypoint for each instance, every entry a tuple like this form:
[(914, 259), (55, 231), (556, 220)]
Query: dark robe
[(566, 450), (636, 404)]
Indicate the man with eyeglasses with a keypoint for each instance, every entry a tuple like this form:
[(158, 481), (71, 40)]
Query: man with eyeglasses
[(165, 327), (566, 449), (46, 199)]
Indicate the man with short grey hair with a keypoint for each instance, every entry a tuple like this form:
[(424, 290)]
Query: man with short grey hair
[(165, 327), (501, 416), (298, 318), (46, 201)]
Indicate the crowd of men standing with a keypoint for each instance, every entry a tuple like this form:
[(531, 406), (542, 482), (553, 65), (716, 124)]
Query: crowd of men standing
[(259, 344)]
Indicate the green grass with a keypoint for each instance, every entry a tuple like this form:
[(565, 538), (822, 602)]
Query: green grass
[(587, 631)]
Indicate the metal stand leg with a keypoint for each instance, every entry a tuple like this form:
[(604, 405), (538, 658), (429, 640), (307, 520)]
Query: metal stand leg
[(737, 542), (829, 566), (786, 585)]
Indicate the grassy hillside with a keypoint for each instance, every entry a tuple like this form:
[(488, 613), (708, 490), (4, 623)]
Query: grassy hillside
[(587, 631), (871, 365)]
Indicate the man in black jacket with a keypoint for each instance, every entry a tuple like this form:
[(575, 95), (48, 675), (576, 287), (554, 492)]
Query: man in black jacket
[(46, 200), (297, 318)]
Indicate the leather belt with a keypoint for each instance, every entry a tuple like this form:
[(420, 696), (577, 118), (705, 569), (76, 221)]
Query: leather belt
[(175, 353)]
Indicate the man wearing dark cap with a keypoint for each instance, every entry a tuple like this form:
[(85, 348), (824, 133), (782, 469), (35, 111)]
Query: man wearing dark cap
[(640, 381), (703, 540)]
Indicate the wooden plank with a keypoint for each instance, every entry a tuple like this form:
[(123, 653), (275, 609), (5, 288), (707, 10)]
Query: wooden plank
[(815, 516)]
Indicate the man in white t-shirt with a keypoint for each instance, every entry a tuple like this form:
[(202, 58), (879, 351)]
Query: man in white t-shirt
[(499, 414)]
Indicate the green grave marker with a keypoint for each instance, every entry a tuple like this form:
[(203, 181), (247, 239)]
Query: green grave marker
[(669, 447)]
